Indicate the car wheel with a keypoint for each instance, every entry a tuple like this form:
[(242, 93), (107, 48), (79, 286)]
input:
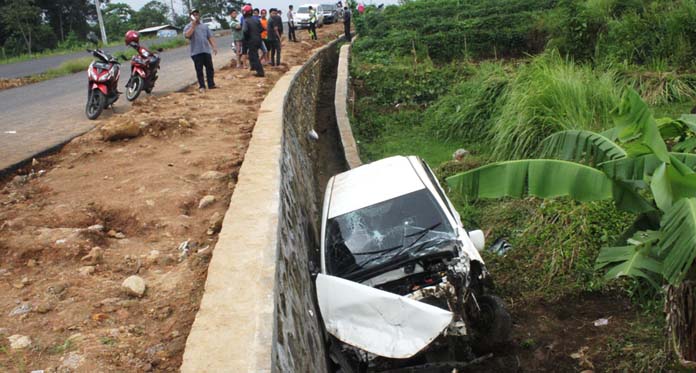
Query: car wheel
[(493, 324)]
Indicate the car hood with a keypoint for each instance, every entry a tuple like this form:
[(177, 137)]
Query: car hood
[(377, 321), (302, 16)]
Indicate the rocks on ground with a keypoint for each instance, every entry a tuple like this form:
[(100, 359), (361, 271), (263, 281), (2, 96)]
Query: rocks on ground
[(18, 342), (134, 286)]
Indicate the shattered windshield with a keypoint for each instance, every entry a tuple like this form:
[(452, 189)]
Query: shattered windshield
[(376, 234)]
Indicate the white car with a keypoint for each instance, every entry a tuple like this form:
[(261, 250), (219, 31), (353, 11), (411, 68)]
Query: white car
[(401, 280), (302, 15), (212, 23)]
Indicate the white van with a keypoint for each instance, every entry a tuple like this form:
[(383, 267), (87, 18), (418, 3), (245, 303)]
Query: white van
[(302, 15)]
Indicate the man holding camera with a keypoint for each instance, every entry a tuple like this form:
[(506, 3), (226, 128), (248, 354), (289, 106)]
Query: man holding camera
[(201, 41)]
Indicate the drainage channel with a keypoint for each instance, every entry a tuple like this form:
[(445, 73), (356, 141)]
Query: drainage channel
[(307, 165)]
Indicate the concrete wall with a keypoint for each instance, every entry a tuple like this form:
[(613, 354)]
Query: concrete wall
[(341, 104), (258, 312)]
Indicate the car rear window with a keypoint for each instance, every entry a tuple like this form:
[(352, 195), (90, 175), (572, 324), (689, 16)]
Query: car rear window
[(370, 236)]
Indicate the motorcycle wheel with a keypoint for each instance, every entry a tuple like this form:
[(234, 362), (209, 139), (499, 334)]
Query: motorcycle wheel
[(95, 104), (136, 86)]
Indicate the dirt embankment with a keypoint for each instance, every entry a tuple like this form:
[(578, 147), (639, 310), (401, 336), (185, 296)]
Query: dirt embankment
[(76, 224)]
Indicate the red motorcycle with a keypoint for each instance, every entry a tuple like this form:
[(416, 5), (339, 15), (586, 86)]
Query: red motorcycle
[(144, 66), (102, 86)]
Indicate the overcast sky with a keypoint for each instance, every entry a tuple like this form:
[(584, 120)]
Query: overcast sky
[(281, 4)]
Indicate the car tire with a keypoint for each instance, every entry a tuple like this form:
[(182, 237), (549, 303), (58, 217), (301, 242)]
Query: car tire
[(494, 324)]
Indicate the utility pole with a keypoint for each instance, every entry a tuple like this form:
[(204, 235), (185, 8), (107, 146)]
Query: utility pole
[(101, 22), (171, 3)]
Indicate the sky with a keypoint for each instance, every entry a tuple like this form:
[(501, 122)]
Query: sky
[(281, 4)]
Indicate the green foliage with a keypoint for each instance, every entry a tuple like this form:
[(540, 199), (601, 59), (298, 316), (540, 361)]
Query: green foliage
[(401, 81), (551, 94), (470, 107), (450, 29), (650, 32)]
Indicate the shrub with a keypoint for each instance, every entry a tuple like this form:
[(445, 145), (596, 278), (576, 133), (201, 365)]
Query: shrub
[(468, 110)]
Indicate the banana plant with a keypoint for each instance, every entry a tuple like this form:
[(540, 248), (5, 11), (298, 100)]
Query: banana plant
[(633, 165), (630, 164)]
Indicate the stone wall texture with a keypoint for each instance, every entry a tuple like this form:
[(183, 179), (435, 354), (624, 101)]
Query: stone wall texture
[(298, 338)]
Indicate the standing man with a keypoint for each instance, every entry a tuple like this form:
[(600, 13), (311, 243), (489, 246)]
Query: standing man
[(346, 22), (291, 24), (312, 23), (201, 40), (252, 39), (275, 30), (237, 38)]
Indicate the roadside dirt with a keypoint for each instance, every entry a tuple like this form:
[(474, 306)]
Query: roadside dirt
[(137, 200)]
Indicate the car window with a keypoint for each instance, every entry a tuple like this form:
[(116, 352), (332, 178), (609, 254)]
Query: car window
[(375, 234)]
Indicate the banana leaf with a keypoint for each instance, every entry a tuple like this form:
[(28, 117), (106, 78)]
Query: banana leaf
[(544, 178), (636, 128), (584, 147), (678, 243), (634, 260), (642, 167), (671, 182)]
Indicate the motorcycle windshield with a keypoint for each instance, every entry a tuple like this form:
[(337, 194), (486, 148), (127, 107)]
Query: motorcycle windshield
[(409, 225)]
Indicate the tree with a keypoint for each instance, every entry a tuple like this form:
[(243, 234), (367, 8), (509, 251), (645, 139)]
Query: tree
[(22, 17), (632, 165), (66, 16), (154, 13), (118, 18), (216, 8)]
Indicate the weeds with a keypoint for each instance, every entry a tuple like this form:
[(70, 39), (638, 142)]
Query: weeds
[(62, 348)]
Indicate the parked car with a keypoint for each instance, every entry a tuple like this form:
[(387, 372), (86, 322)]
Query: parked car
[(402, 283), (302, 16), (330, 13), (211, 22)]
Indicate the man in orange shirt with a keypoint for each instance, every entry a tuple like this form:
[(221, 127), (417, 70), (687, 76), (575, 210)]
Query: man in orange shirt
[(264, 34)]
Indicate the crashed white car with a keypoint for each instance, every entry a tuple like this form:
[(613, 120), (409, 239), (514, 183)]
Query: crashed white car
[(402, 283)]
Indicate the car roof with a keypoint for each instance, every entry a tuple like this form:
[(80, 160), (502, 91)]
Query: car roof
[(373, 183)]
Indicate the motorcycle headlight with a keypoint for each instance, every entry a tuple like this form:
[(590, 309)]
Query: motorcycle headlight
[(105, 77), (90, 73)]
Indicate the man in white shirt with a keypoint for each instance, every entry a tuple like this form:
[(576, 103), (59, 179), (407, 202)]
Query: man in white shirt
[(291, 24)]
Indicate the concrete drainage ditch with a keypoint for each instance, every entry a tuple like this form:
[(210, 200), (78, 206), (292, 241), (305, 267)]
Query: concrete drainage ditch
[(258, 312)]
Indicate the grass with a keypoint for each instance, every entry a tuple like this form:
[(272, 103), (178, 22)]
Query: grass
[(60, 52), (80, 64), (548, 95)]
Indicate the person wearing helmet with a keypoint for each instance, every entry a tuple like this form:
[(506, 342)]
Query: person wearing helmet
[(252, 39), (201, 41)]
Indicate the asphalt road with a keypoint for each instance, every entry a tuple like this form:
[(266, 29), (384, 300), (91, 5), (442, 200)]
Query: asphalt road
[(40, 116), (40, 65)]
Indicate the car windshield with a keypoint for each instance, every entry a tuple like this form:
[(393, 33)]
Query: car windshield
[(371, 236), (327, 7), (207, 20), (303, 9)]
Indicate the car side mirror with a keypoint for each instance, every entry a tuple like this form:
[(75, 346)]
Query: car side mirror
[(478, 239)]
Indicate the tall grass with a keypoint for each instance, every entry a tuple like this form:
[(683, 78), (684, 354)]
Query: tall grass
[(551, 94), (471, 106)]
